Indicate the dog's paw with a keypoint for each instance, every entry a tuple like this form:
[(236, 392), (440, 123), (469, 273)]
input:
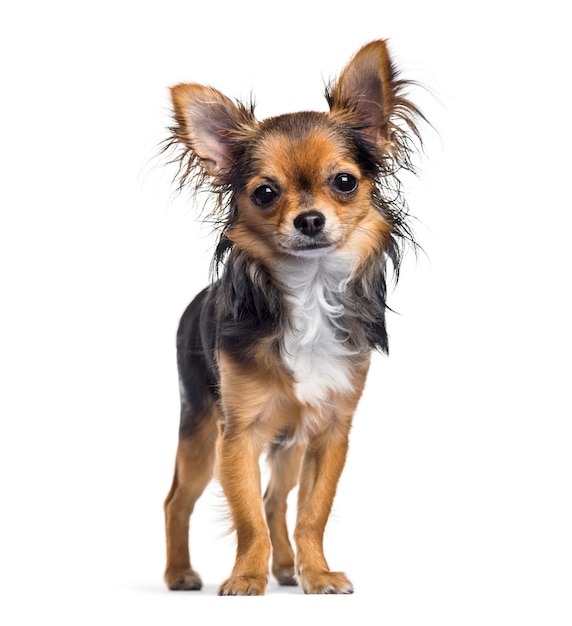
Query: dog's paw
[(183, 580), (243, 586), (285, 576), (324, 582)]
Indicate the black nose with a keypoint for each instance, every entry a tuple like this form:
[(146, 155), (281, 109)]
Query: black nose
[(310, 223)]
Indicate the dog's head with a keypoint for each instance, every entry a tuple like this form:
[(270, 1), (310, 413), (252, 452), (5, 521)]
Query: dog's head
[(304, 184)]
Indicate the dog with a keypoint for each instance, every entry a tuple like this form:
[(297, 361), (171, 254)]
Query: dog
[(273, 355)]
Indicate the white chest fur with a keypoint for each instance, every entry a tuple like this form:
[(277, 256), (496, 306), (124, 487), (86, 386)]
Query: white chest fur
[(314, 346)]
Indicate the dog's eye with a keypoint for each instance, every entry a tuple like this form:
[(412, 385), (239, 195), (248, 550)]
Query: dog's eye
[(263, 195), (346, 183)]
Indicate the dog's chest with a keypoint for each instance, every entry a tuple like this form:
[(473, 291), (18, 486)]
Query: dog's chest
[(315, 346)]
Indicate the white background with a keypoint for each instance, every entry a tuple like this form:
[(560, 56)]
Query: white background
[(455, 504)]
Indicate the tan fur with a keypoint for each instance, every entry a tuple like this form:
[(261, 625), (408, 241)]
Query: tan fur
[(260, 406), (285, 471), (193, 471), (259, 409), (353, 226)]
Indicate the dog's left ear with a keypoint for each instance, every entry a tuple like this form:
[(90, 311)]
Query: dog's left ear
[(367, 90)]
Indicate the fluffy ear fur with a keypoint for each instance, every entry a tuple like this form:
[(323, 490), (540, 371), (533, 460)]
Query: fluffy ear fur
[(367, 89), (207, 123)]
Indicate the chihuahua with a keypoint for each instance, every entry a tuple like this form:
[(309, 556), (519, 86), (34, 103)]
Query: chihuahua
[(273, 355)]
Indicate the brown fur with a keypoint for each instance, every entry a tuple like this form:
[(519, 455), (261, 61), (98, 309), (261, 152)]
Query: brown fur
[(257, 407), (193, 471)]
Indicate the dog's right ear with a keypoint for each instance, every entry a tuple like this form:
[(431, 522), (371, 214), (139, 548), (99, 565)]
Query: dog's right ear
[(209, 124)]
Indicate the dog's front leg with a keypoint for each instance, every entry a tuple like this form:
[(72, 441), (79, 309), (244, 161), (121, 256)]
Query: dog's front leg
[(239, 475), (238, 452), (321, 470)]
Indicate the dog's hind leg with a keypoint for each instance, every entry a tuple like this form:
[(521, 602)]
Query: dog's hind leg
[(285, 470), (193, 471)]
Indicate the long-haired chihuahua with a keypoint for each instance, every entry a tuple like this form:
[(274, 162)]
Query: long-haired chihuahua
[(273, 355)]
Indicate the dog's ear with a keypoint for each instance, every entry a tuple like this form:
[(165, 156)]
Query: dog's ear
[(367, 89), (208, 123)]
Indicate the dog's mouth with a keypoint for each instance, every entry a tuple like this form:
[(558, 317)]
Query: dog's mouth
[(311, 249)]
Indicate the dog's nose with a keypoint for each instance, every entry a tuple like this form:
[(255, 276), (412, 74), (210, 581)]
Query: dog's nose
[(310, 223)]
